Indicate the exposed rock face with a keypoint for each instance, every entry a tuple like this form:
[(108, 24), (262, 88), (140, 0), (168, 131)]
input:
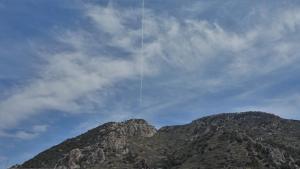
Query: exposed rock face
[(250, 140), (110, 140)]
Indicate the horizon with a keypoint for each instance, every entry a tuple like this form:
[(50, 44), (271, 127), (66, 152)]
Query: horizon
[(158, 127), (67, 67)]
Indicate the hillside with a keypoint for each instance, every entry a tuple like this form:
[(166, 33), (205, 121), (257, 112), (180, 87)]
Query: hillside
[(248, 140)]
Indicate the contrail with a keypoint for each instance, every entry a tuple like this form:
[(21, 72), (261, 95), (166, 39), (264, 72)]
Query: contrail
[(142, 56)]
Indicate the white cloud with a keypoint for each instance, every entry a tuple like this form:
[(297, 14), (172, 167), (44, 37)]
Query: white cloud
[(70, 76), (40, 128), (189, 45), (107, 18), (35, 131), (24, 135)]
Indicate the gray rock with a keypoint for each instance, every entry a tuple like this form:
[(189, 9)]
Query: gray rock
[(249, 140)]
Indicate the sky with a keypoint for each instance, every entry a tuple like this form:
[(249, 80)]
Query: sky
[(68, 66)]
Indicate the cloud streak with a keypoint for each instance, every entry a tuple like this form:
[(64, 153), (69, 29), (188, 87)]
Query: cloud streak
[(188, 48), (35, 131)]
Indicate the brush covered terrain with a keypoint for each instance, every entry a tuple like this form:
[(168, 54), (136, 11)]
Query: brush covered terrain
[(248, 140)]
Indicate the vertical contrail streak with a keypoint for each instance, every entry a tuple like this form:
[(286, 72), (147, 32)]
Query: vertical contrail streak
[(142, 56)]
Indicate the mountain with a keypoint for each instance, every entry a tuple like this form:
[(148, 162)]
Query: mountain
[(248, 140)]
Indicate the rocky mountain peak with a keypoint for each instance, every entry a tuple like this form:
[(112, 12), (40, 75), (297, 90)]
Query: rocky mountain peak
[(139, 127), (235, 140), (130, 128)]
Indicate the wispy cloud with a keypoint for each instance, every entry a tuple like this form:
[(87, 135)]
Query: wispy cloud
[(25, 135), (183, 53)]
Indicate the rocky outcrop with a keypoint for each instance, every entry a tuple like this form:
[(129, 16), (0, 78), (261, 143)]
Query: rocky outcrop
[(81, 158), (115, 140), (252, 140), (110, 140)]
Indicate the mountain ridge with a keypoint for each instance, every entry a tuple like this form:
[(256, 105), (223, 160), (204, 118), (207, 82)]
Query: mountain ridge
[(226, 140)]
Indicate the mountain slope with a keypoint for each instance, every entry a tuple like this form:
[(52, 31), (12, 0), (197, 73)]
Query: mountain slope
[(252, 140)]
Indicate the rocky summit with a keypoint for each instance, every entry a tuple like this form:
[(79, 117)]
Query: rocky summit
[(248, 140)]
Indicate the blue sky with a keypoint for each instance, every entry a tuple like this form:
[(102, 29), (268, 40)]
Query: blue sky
[(67, 66)]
